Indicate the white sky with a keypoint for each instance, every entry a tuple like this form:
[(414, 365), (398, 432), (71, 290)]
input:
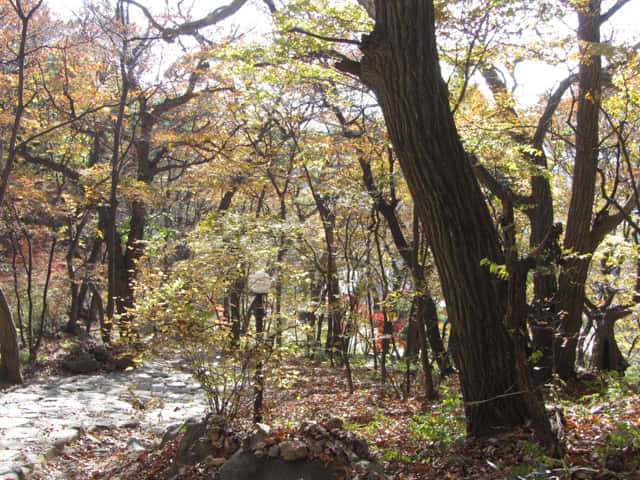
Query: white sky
[(534, 79)]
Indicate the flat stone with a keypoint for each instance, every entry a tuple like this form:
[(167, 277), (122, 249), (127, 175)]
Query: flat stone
[(35, 415), (13, 474), (64, 437), (135, 445), (133, 423)]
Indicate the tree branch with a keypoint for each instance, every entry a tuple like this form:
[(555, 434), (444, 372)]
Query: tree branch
[(550, 109), (613, 10), (607, 223), (498, 189), (189, 28), (322, 37), (347, 65), (48, 163)]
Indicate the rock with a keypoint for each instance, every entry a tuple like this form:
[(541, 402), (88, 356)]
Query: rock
[(292, 450), (87, 365), (173, 431), (124, 362), (583, 473), (370, 470), (215, 462), (361, 448), (102, 426), (52, 452), (133, 423), (274, 451), (258, 436), (334, 423), (64, 437), (264, 429), (102, 353), (135, 445), (313, 430), (15, 473), (246, 466), (192, 449), (195, 446)]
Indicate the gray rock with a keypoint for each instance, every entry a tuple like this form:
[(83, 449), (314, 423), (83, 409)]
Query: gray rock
[(64, 437), (135, 445), (172, 433), (102, 353), (87, 365), (15, 473), (370, 470), (334, 423), (29, 413), (246, 466), (361, 448), (292, 450), (133, 423), (195, 445)]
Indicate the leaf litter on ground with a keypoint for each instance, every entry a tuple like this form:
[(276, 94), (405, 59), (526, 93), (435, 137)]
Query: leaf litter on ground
[(602, 438)]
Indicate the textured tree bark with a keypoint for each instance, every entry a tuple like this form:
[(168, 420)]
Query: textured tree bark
[(606, 355), (400, 65), (9, 348), (579, 237)]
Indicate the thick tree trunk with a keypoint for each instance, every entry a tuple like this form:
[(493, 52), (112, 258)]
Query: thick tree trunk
[(579, 236), (401, 66), (9, 348), (606, 355), (544, 280)]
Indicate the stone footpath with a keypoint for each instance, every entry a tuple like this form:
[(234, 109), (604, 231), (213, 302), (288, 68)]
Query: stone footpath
[(39, 418)]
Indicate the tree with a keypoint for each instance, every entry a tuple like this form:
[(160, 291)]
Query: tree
[(585, 228), (400, 65), (24, 14), (9, 348)]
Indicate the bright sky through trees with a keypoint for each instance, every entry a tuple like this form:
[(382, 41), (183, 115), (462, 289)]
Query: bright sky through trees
[(534, 79)]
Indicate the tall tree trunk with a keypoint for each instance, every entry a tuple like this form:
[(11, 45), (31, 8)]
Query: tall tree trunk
[(606, 355), (579, 236), (9, 348), (400, 64)]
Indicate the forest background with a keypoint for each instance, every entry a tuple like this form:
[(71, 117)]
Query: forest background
[(407, 199)]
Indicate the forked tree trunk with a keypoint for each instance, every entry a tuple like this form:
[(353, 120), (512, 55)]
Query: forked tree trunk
[(9, 348), (580, 238), (401, 66), (606, 355)]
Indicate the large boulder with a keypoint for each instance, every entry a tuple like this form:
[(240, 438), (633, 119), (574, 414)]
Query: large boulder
[(88, 357), (315, 451), (202, 441), (245, 465)]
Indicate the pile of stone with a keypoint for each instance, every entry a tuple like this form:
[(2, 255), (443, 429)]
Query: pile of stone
[(89, 357), (313, 451)]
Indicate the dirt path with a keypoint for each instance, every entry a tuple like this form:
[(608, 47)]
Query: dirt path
[(39, 418)]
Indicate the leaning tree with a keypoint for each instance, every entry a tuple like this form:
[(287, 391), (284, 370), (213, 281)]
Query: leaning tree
[(400, 65)]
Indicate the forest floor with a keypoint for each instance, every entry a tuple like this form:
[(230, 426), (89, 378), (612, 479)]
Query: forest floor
[(412, 438)]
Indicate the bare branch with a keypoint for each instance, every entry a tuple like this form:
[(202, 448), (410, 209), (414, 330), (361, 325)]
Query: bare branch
[(48, 163), (550, 109), (498, 189), (322, 37), (613, 10), (347, 65), (190, 28)]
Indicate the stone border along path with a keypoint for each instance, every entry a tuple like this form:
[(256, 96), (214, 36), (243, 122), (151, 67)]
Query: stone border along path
[(37, 419)]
